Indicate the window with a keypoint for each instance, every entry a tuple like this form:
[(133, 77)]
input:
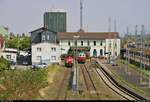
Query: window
[(53, 57), (75, 43), (43, 37), (101, 52), (94, 43), (68, 43), (88, 43), (38, 49), (47, 37), (81, 43), (101, 43), (39, 58), (53, 49)]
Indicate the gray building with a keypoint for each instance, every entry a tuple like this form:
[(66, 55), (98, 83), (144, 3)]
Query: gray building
[(43, 35), (55, 20)]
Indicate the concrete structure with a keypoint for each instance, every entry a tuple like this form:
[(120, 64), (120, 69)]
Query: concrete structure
[(98, 43), (55, 20), (9, 54), (45, 53), (43, 35)]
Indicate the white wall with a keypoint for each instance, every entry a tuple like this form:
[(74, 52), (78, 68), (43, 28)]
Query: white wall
[(113, 49), (64, 44), (13, 56), (46, 53)]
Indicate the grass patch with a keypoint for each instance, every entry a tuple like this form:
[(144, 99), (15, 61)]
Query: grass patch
[(145, 72), (18, 85)]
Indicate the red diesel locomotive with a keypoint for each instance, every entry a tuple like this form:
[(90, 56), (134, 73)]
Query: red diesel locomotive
[(81, 57), (69, 60)]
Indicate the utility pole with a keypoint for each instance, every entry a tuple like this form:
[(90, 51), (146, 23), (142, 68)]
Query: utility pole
[(127, 56), (143, 32), (127, 30), (136, 30), (142, 47)]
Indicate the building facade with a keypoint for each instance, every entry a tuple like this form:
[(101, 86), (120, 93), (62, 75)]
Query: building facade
[(43, 35), (56, 20), (45, 53), (98, 44), (9, 54)]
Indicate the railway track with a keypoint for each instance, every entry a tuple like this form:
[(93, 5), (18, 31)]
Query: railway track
[(115, 86), (62, 91), (90, 86)]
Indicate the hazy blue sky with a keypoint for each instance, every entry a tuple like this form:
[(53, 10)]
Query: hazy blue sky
[(23, 16)]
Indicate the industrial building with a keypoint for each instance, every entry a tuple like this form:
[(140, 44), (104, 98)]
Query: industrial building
[(55, 20), (138, 53)]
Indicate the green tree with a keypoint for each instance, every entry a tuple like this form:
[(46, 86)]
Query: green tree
[(18, 42)]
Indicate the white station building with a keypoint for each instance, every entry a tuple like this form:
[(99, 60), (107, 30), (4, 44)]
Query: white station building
[(98, 44)]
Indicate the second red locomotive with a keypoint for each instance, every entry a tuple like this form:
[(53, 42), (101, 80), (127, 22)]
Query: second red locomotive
[(81, 57)]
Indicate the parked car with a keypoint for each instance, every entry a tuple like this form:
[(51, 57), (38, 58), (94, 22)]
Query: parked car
[(41, 65), (25, 63)]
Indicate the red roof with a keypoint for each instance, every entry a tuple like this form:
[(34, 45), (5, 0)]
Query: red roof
[(88, 35)]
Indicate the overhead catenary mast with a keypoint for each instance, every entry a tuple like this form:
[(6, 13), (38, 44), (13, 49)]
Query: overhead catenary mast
[(136, 30), (127, 30), (115, 25)]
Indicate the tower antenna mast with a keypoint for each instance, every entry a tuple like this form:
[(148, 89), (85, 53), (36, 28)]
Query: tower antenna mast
[(81, 14), (109, 25)]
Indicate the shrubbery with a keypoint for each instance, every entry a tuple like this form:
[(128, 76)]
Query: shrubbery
[(17, 84), (4, 64)]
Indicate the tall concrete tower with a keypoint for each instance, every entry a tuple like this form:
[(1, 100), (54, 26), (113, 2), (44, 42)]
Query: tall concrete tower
[(55, 20)]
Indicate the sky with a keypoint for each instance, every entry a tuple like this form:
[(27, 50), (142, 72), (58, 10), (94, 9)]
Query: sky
[(24, 16)]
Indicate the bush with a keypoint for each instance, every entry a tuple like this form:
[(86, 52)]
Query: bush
[(22, 84), (4, 64)]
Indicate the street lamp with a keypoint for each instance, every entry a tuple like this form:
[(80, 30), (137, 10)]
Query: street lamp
[(75, 78)]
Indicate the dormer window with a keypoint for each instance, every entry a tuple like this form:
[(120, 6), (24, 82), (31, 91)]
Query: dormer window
[(43, 37)]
